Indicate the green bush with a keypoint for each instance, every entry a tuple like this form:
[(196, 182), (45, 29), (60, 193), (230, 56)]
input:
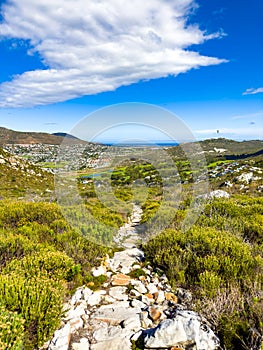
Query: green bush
[(55, 264), (38, 300), (223, 272), (42, 260), (11, 330)]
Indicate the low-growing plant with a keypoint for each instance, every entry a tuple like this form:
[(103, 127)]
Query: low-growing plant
[(11, 330), (137, 273), (39, 302)]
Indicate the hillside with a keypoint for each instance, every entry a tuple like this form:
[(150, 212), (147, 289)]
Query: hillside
[(22, 179), (223, 149), (48, 250), (8, 136)]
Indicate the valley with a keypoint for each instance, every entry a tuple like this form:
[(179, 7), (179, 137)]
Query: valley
[(68, 214)]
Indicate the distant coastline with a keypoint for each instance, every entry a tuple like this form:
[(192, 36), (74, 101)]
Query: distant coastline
[(140, 144)]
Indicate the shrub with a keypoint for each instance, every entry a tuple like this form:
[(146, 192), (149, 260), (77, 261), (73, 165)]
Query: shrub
[(39, 302), (11, 330), (55, 264), (223, 272)]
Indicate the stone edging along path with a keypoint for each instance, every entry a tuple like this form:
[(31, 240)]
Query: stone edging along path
[(127, 310)]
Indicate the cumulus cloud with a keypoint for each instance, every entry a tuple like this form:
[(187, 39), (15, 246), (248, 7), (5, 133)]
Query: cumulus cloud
[(94, 46), (253, 91)]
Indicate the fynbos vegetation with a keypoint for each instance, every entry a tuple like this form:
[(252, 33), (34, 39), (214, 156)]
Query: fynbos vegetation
[(43, 258)]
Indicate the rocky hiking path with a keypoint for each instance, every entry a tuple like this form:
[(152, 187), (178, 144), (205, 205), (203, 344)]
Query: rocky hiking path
[(135, 304), (128, 235)]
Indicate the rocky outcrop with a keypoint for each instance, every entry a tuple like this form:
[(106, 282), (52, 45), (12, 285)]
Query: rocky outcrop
[(215, 194), (126, 309)]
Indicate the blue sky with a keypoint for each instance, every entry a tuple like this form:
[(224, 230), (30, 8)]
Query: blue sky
[(201, 60)]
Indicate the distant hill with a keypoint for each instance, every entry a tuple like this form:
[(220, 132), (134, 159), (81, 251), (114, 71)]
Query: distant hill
[(223, 149), (8, 136), (64, 134), (231, 146)]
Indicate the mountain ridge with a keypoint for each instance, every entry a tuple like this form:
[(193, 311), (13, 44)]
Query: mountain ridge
[(8, 136)]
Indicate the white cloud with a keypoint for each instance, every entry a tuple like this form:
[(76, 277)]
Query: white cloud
[(247, 133), (253, 91), (98, 45), (249, 116)]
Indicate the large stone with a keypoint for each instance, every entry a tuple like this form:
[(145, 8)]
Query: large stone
[(115, 313), (184, 328)]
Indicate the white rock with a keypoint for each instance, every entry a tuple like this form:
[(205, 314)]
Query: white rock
[(138, 304), (135, 293), (246, 177), (151, 287), (109, 299), (77, 296), (147, 300), (61, 339), (133, 323), (87, 293), (136, 266), (185, 327), (161, 297), (115, 313), (145, 321), (75, 324), (147, 271), (82, 345), (118, 293), (139, 286), (76, 312), (107, 332), (215, 194), (101, 270), (136, 335), (94, 299)]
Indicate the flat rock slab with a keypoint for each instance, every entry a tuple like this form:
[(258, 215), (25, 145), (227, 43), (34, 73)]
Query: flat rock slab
[(114, 314), (120, 280)]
